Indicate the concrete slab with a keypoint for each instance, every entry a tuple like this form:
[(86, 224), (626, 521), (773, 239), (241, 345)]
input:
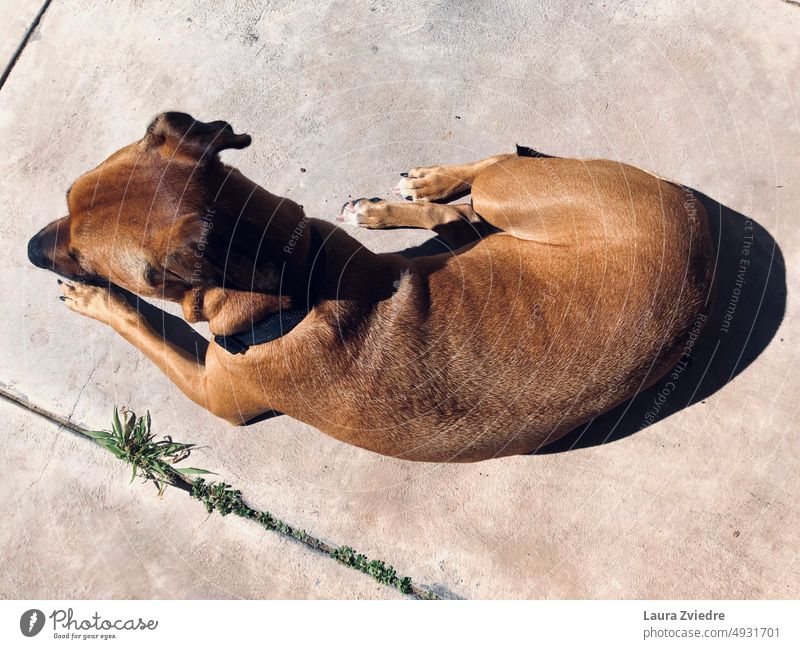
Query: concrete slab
[(699, 504), (15, 18), (74, 527)]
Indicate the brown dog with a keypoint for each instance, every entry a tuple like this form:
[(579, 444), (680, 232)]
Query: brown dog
[(581, 285)]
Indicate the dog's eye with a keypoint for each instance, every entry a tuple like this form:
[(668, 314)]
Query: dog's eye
[(74, 255), (150, 275)]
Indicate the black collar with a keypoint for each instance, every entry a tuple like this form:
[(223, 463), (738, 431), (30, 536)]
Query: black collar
[(281, 323)]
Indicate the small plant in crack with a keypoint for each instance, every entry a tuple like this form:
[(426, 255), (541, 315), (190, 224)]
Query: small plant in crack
[(224, 499), (378, 570), (220, 497), (131, 440)]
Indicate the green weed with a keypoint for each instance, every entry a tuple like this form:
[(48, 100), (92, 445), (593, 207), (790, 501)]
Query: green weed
[(131, 440)]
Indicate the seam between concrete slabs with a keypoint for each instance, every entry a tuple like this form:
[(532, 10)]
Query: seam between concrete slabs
[(23, 43), (313, 543)]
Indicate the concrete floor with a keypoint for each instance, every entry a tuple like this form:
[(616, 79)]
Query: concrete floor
[(700, 504), (74, 527), (15, 18)]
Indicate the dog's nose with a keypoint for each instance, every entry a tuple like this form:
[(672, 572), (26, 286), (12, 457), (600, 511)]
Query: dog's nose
[(35, 254)]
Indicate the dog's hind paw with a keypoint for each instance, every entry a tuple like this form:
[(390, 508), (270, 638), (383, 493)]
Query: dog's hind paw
[(430, 184)]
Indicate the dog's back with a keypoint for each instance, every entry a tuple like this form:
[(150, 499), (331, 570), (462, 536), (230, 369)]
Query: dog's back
[(587, 297)]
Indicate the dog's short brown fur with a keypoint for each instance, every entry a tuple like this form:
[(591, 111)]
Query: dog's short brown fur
[(580, 287)]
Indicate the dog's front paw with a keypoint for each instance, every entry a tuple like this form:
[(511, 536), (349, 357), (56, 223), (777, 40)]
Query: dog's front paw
[(429, 184), (96, 302), (365, 212)]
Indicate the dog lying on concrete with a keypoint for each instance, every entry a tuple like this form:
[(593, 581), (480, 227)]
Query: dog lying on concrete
[(575, 285)]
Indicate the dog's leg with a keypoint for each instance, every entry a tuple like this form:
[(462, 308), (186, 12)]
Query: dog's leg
[(456, 225), (109, 308), (443, 182), (376, 214)]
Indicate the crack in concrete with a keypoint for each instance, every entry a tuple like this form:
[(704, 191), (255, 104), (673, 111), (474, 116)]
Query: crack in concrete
[(313, 543), (25, 38), (44, 468), (83, 387)]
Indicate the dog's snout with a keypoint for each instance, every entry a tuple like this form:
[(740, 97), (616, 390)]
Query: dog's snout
[(35, 254), (43, 246), (49, 249)]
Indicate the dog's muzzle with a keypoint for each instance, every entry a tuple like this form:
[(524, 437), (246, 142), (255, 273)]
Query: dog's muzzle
[(35, 252)]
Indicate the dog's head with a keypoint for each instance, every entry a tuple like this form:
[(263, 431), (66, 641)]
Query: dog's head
[(146, 218)]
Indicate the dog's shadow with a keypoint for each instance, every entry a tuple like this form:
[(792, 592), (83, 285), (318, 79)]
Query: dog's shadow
[(749, 303)]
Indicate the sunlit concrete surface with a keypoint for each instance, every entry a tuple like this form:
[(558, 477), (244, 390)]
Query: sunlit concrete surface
[(75, 527), (701, 504)]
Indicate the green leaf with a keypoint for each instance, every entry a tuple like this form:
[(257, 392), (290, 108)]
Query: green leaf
[(99, 434), (159, 470), (138, 431), (111, 448), (128, 427), (171, 448), (116, 423), (192, 471)]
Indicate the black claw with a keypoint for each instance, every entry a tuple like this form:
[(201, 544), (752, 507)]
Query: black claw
[(409, 198), (59, 281), (374, 199), (62, 298), (404, 174)]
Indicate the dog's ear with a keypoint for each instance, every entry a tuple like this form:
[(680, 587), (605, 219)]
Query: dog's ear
[(205, 253), (175, 269), (203, 140)]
